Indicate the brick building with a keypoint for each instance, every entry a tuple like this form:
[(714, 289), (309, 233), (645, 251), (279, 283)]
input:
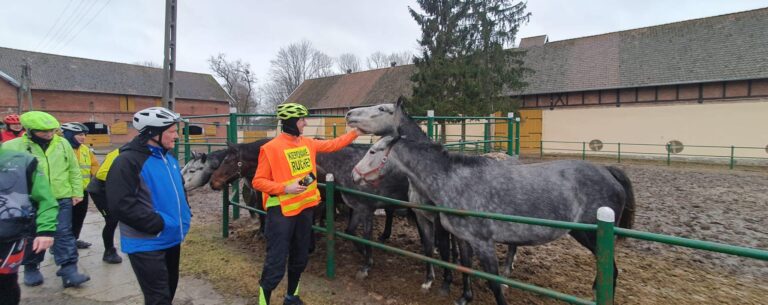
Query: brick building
[(104, 95), (701, 82)]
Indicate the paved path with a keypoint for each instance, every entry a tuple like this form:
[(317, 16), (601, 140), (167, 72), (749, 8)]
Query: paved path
[(109, 284)]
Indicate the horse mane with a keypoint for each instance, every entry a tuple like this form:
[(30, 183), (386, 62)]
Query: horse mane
[(452, 158)]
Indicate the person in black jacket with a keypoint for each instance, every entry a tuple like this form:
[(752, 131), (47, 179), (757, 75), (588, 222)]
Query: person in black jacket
[(145, 193)]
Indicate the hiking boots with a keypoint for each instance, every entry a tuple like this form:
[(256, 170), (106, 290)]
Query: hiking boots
[(293, 300), (70, 277), (32, 275), (81, 244), (111, 257)]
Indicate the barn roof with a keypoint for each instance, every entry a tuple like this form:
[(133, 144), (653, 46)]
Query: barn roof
[(355, 89), (725, 47), (65, 73), (719, 48)]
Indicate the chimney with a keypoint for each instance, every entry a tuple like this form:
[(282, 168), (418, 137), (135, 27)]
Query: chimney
[(392, 64)]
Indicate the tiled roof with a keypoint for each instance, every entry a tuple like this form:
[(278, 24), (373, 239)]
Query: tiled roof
[(56, 72), (726, 47), (355, 89), (720, 48)]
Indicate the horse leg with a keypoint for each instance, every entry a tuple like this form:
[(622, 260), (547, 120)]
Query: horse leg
[(367, 250), (355, 219), (390, 211), (426, 235), (509, 261), (466, 260), (589, 241), (486, 254), (443, 241)]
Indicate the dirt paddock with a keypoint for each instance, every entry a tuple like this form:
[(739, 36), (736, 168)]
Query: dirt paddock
[(703, 203)]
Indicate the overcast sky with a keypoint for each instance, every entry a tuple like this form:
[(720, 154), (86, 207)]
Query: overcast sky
[(132, 30)]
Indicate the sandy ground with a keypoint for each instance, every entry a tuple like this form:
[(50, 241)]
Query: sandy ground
[(716, 205)]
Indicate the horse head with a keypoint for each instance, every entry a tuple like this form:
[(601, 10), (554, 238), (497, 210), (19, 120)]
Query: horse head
[(374, 166), (197, 171), (240, 161)]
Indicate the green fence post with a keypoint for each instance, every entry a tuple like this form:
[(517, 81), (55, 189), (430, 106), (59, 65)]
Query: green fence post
[(487, 136), (669, 152), (187, 152), (510, 137), (605, 259), (430, 122), (334, 130), (517, 136), (732, 150), (583, 150), (232, 138), (619, 150), (330, 230), (176, 142), (225, 212)]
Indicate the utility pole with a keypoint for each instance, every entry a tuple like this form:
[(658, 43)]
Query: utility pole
[(25, 87), (169, 61)]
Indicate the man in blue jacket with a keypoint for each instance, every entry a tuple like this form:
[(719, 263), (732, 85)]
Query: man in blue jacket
[(146, 195)]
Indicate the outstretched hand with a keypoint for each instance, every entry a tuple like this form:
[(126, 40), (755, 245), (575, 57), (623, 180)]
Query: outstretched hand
[(42, 243)]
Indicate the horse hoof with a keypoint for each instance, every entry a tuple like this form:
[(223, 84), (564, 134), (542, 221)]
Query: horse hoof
[(461, 301), (426, 286)]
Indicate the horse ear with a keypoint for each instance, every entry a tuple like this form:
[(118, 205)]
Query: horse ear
[(203, 157)]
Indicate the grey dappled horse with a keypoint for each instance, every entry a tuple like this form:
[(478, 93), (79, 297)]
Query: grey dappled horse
[(242, 160), (379, 120), (561, 190), (197, 172)]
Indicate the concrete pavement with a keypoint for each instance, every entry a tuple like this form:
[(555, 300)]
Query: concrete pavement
[(109, 284)]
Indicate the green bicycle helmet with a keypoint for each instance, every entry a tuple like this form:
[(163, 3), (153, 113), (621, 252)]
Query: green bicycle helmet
[(291, 110), (38, 120)]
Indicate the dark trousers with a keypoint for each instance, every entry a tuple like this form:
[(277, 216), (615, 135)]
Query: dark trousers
[(10, 293), (288, 239), (157, 273), (63, 250), (110, 223), (78, 216)]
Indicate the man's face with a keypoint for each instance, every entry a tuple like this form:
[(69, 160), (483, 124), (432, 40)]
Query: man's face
[(14, 127), (169, 137), (44, 134), (300, 124), (80, 138)]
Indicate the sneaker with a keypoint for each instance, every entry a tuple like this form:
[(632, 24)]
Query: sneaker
[(80, 244), (293, 300), (70, 277), (111, 257), (32, 275)]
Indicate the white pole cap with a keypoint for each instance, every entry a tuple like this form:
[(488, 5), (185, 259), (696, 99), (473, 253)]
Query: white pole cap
[(510, 115), (430, 113), (606, 214), (232, 110), (329, 178)]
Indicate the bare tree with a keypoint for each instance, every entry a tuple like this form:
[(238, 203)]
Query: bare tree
[(238, 80), (401, 58), (348, 62), (147, 63), (293, 65), (377, 60)]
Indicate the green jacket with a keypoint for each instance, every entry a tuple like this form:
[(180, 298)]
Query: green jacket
[(46, 207), (58, 162)]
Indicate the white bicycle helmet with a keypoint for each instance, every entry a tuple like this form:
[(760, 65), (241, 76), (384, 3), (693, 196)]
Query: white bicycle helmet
[(154, 117), (75, 127)]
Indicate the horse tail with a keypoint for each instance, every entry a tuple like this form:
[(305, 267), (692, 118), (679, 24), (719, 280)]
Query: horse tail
[(628, 213)]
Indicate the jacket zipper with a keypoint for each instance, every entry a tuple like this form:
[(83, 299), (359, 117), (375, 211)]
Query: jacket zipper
[(178, 199)]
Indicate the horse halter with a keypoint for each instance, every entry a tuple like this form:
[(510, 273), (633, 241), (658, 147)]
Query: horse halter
[(364, 175)]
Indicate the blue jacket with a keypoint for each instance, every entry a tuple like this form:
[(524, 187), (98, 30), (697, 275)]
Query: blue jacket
[(145, 193)]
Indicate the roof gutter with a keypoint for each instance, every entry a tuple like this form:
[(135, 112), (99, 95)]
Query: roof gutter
[(643, 86), (10, 79)]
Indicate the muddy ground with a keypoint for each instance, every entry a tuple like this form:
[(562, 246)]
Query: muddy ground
[(712, 204)]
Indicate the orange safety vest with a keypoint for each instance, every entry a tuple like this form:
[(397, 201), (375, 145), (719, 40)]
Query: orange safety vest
[(285, 160)]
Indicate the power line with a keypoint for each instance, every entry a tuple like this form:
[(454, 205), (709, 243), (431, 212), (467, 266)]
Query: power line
[(39, 44), (74, 25), (86, 25), (60, 29)]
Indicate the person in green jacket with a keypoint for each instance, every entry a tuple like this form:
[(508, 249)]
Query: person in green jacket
[(59, 164), (27, 207)]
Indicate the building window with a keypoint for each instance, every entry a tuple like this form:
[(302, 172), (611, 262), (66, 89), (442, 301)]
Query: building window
[(596, 145), (675, 146), (195, 130), (97, 128)]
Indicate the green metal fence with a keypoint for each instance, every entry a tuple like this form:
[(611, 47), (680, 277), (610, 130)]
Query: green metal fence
[(730, 155)]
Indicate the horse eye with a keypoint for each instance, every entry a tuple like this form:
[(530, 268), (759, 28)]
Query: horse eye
[(372, 152), (381, 108)]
